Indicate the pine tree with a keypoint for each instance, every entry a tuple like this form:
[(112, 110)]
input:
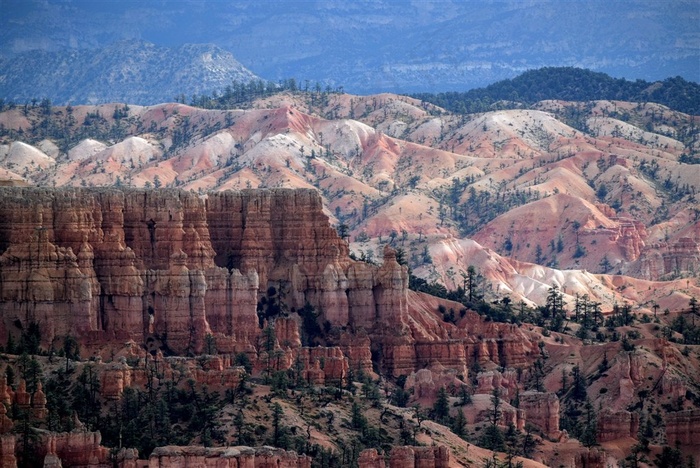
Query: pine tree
[(538, 375), (512, 443), (239, 424), (209, 344), (10, 348), (578, 389), (528, 442), (459, 424), (277, 414), (357, 419), (464, 397), (590, 429), (604, 364), (495, 411), (10, 376), (441, 408)]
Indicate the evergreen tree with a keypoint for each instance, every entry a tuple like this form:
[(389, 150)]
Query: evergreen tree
[(590, 429), (528, 442), (512, 443), (32, 374), (578, 388), (10, 348), (492, 438), (10, 375), (494, 414), (465, 397), (277, 414), (669, 458), (71, 349), (209, 344), (441, 408), (459, 423), (357, 419), (86, 400), (538, 375), (555, 307)]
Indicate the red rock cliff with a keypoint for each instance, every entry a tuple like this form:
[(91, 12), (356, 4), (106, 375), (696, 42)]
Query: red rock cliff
[(165, 268), (170, 266)]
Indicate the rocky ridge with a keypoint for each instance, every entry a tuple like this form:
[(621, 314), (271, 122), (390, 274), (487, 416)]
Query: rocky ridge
[(131, 71)]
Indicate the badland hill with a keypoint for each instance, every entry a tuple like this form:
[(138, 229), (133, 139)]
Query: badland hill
[(605, 208)]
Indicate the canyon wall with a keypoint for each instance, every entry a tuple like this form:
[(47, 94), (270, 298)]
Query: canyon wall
[(683, 427), (407, 457), (167, 268), (226, 457), (110, 264)]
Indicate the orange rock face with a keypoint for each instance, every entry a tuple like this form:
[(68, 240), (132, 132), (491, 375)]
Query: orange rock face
[(230, 457), (419, 457), (542, 410), (77, 448), (617, 424), (167, 268), (109, 264), (683, 427), (7, 451), (369, 458), (407, 457)]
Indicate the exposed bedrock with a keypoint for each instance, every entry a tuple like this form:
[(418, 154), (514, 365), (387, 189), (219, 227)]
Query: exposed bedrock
[(166, 268)]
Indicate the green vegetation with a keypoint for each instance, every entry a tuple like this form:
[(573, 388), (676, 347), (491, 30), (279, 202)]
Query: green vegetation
[(241, 95), (480, 206), (688, 327), (568, 84)]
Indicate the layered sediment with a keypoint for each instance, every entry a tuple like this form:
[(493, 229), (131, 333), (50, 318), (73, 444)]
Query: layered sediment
[(167, 268)]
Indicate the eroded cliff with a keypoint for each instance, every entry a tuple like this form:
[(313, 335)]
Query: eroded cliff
[(166, 268)]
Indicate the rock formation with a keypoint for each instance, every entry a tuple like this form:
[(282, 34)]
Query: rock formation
[(683, 427), (506, 382), (425, 383), (75, 448), (7, 451), (78, 448), (226, 457), (542, 411), (171, 265), (167, 268), (664, 258), (407, 457), (592, 458), (617, 424)]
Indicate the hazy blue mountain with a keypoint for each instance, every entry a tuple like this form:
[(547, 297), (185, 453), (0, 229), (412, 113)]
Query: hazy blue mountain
[(133, 71), (384, 45)]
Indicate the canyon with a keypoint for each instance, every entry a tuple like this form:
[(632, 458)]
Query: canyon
[(167, 268), (262, 264), (141, 279)]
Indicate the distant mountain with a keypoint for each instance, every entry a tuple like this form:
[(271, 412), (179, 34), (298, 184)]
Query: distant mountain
[(136, 72), (372, 46), (571, 84)]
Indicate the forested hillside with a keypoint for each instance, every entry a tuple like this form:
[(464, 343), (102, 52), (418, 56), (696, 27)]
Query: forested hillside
[(569, 84)]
